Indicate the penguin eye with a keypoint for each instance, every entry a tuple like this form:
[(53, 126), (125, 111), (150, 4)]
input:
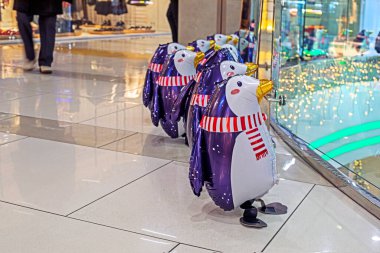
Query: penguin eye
[(175, 47), (183, 55), (239, 84), (232, 67)]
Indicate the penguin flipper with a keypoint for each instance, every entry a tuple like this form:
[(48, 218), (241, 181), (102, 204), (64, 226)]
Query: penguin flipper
[(179, 107), (148, 88), (197, 161)]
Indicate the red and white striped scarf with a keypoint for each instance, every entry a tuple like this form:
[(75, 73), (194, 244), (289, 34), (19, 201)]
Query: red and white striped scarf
[(198, 77), (248, 124), (201, 100), (174, 80), (155, 67)]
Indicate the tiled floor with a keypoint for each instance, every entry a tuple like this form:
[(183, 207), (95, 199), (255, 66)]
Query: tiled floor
[(82, 169)]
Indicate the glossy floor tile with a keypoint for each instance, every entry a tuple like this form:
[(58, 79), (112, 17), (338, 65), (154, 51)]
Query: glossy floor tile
[(153, 146), (6, 95), (7, 137), (164, 206), (61, 178), (85, 88), (27, 231), (294, 168), (328, 221), (136, 119), (6, 115), (62, 107), (188, 249), (60, 131), (29, 82)]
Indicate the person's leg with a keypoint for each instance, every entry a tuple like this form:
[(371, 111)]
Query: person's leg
[(172, 22), (26, 32), (47, 33), (175, 11)]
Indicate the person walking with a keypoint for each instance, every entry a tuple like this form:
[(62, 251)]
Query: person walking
[(172, 15), (47, 10)]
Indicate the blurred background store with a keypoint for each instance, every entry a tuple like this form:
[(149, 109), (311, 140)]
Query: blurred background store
[(86, 18)]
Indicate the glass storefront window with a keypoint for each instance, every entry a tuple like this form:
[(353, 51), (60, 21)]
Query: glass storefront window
[(330, 74)]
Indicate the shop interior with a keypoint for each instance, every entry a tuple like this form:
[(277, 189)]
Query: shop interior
[(86, 18)]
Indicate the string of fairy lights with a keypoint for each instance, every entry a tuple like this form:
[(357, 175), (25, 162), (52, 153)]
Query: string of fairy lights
[(328, 95), (313, 87)]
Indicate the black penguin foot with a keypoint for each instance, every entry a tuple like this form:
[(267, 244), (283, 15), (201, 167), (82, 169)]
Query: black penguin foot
[(273, 208), (250, 220), (247, 204), (186, 141)]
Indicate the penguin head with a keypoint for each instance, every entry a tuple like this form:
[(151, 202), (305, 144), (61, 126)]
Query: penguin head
[(231, 68), (244, 93), (243, 44), (234, 52), (221, 39), (234, 41), (174, 47), (205, 45), (186, 61)]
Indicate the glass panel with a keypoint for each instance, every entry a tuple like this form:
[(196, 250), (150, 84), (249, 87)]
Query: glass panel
[(330, 72)]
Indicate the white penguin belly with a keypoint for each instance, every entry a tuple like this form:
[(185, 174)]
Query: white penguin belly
[(251, 177)]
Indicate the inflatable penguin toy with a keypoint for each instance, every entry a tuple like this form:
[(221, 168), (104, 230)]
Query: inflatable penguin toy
[(208, 47), (243, 48), (234, 52), (202, 45), (155, 67), (182, 103), (220, 39), (178, 70), (233, 152), (205, 87), (234, 41)]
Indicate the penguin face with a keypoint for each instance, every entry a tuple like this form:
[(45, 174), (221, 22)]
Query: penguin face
[(233, 51), (235, 40), (174, 47), (241, 95), (243, 44), (220, 39), (203, 45), (231, 68), (184, 62)]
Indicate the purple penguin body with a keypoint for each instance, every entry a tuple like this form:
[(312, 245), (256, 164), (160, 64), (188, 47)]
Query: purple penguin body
[(232, 154), (220, 70), (154, 68), (177, 72), (204, 159), (183, 107)]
